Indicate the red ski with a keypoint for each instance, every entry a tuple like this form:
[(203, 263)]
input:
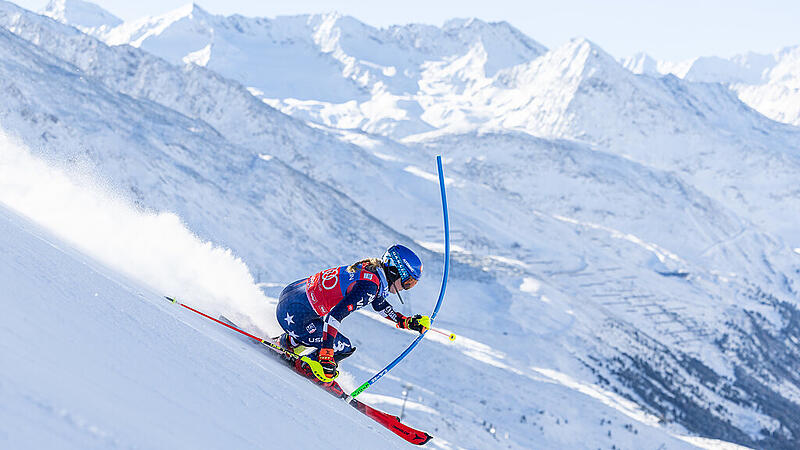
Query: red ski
[(389, 421), (392, 423)]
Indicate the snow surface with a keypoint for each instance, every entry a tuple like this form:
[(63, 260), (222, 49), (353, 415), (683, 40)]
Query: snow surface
[(328, 66), (92, 359), (83, 15), (73, 315), (624, 245), (469, 75), (769, 83)]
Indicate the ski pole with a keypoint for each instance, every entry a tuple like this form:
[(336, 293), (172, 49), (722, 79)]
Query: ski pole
[(416, 341), (219, 321), (316, 367), (451, 336)]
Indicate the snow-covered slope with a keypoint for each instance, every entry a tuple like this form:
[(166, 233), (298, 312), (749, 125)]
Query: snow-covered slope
[(85, 16), (590, 268), (178, 163), (494, 78), (317, 48), (641, 63), (778, 96), (76, 389), (578, 91), (768, 83), (599, 267), (92, 359), (329, 67)]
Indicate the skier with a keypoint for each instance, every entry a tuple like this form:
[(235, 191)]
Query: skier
[(311, 310)]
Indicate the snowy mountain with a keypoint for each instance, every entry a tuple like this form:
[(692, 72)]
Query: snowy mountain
[(331, 67), (85, 16), (778, 96), (470, 80), (617, 256), (642, 64), (97, 303), (174, 163), (767, 83), (317, 48), (702, 131)]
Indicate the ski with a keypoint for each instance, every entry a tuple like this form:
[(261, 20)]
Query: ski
[(390, 422)]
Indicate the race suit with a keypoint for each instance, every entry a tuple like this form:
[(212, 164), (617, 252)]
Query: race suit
[(311, 310)]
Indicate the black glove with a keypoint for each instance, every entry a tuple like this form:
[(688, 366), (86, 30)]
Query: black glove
[(417, 322)]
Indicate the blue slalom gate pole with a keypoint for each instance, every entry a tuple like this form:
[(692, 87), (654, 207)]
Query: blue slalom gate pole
[(389, 367)]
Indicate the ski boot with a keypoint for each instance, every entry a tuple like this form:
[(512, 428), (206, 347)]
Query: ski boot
[(301, 367), (291, 347)]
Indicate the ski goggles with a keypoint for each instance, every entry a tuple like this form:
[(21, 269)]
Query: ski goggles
[(408, 283)]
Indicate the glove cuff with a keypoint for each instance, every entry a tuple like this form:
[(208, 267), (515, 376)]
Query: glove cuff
[(325, 354)]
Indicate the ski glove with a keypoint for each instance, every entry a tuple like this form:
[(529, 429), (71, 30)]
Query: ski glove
[(416, 322), (327, 362)]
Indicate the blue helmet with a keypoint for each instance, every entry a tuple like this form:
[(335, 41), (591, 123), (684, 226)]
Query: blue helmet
[(402, 263)]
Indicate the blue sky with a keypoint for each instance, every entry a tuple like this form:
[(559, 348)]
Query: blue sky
[(672, 30)]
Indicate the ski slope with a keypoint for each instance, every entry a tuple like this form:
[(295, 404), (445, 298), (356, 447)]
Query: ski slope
[(93, 356), (632, 280), (92, 359)]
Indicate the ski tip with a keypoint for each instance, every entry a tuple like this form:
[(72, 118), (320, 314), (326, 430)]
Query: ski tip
[(428, 437), (170, 299)]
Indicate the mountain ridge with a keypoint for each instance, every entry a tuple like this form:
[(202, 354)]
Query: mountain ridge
[(86, 16), (766, 82)]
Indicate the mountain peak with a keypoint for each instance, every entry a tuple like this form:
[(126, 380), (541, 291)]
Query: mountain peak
[(80, 14), (505, 44), (641, 63), (583, 52), (463, 23), (582, 43), (750, 68), (191, 10)]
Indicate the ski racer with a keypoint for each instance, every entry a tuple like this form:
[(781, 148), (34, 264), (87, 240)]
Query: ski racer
[(311, 310)]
